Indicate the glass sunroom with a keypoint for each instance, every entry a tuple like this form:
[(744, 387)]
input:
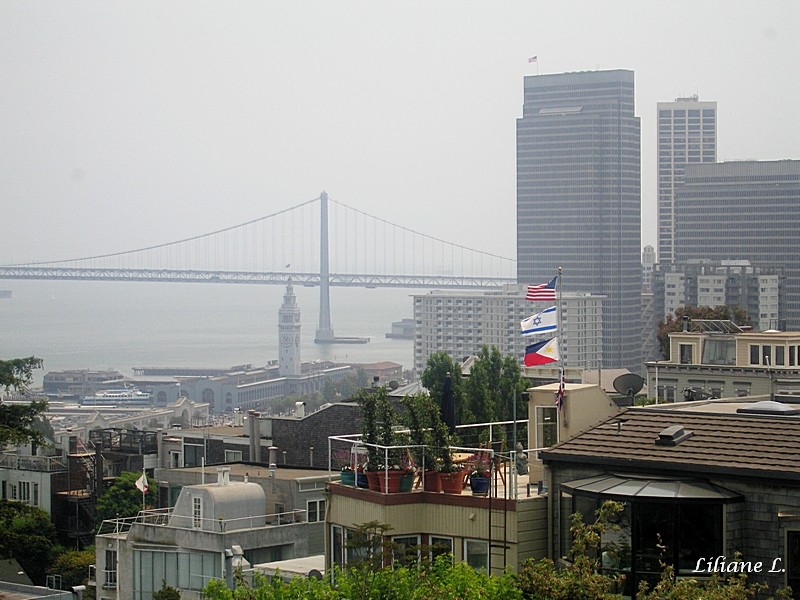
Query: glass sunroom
[(665, 520)]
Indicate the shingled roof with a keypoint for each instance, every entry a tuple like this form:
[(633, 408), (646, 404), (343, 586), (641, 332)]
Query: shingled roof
[(754, 446)]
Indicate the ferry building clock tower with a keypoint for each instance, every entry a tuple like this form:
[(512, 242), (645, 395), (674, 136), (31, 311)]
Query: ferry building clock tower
[(289, 334)]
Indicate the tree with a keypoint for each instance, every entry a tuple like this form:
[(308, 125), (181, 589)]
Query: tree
[(27, 535), (493, 383), (123, 499), (20, 423), (167, 592), (73, 566), (433, 377), (674, 322)]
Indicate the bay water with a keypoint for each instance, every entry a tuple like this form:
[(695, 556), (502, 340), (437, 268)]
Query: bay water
[(122, 325)]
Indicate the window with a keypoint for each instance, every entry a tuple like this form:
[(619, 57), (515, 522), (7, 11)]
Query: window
[(792, 356), (476, 554), (546, 426), (197, 512), (25, 491), (779, 356), (35, 494), (793, 559), (405, 550), (315, 511), (193, 455), (440, 546), (232, 456), (337, 545), (754, 354), (686, 354), (110, 571), (766, 355), (175, 459)]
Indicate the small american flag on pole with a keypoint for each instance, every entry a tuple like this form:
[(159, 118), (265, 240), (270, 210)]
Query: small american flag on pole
[(533, 59), (560, 392)]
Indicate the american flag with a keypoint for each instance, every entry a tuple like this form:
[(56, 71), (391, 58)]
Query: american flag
[(560, 392), (545, 291)]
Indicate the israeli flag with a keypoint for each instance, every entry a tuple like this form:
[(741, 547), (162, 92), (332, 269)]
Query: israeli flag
[(543, 322)]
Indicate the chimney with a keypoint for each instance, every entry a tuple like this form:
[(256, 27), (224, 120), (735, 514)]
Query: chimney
[(299, 412), (685, 323), (223, 475), (254, 432)]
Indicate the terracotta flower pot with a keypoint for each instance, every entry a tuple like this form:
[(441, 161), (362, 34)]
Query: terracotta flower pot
[(452, 483), (433, 482)]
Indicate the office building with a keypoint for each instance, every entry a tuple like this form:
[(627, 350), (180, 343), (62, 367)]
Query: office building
[(460, 323), (687, 133), (707, 283), (579, 197), (648, 262), (744, 211)]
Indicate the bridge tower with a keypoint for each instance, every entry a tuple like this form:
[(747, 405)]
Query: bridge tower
[(289, 334), (324, 331)]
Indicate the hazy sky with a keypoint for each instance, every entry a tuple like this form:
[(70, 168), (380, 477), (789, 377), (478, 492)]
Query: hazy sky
[(129, 123)]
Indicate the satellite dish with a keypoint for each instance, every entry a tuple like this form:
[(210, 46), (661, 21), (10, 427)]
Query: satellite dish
[(629, 385)]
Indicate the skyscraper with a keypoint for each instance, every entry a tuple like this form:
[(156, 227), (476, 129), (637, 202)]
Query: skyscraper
[(744, 211), (687, 133), (579, 197)]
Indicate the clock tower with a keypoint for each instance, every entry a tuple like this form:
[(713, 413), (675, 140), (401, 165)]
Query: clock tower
[(289, 334)]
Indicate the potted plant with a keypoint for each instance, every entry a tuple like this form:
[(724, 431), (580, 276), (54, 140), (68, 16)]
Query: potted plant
[(421, 412), (378, 430), (479, 479), (347, 476)]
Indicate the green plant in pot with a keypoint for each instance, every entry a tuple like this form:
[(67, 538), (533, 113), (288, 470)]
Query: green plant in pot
[(479, 479)]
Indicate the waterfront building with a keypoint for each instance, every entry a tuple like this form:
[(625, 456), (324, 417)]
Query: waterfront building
[(461, 322), (687, 134), (579, 197), (744, 210)]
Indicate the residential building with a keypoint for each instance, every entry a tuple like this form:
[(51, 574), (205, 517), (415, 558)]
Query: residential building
[(717, 359), (687, 133), (461, 322), (579, 197), (712, 283), (214, 529), (696, 480), (743, 211)]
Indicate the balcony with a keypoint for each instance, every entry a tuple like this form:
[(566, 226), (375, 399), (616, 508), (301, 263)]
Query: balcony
[(49, 464)]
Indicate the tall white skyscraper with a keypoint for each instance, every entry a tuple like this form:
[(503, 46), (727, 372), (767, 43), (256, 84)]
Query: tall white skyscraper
[(687, 133)]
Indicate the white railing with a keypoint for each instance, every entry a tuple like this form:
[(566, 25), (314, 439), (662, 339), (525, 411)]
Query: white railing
[(165, 517)]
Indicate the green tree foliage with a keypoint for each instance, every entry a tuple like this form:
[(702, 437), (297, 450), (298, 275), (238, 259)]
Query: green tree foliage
[(735, 587), (27, 535), (123, 499), (579, 579), (167, 592), (674, 322), (491, 386), (73, 566), (433, 377), (20, 423)]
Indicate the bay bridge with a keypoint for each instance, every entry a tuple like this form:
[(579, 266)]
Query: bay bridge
[(320, 242)]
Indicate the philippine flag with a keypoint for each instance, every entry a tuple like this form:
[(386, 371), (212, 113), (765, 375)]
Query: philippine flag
[(542, 353)]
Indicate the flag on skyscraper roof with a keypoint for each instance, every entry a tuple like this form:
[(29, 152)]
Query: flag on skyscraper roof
[(533, 59), (544, 291), (542, 353), (542, 322)]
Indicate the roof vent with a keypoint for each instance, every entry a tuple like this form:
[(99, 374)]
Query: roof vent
[(673, 435), (769, 407)]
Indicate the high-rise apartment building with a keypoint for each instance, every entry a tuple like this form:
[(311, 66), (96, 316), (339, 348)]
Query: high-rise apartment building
[(579, 197), (459, 323), (687, 133), (744, 211)]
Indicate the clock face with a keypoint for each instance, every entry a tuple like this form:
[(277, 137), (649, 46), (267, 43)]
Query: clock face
[(286, 340)]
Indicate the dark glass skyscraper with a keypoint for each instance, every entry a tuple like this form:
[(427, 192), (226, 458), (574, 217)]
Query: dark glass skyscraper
[(579, 197)]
